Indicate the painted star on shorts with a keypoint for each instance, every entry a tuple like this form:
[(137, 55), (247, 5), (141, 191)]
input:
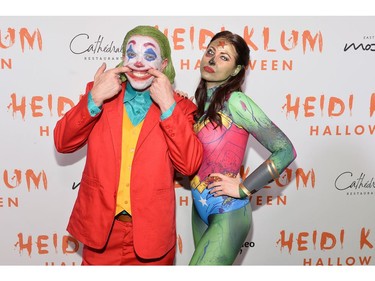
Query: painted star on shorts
[(203, 201)]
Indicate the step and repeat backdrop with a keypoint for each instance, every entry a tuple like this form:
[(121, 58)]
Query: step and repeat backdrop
[(313, 76)]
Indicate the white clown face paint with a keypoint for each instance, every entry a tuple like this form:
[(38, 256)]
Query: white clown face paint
[(142, 53)]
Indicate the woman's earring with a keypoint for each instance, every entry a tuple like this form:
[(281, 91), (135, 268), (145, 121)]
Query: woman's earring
[(238, 68)]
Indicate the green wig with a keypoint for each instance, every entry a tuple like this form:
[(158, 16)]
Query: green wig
[(163, 42)]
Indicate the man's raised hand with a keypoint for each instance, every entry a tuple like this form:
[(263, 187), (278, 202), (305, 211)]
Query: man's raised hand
[(107, 83), (161, 90)]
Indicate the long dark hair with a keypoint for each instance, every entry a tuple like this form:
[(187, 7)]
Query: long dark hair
[(223, 92)]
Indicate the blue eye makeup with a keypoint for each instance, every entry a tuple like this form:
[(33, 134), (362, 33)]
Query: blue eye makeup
[(130, 52), (150, 55)]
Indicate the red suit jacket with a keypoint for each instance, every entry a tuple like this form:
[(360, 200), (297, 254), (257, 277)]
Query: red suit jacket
[(162, 147)]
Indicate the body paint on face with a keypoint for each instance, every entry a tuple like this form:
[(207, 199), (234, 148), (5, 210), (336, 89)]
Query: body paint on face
[(142, 53), (222, 44), (218, 63)]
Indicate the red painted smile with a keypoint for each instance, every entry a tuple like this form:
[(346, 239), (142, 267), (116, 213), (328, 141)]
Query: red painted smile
[(139, 75)]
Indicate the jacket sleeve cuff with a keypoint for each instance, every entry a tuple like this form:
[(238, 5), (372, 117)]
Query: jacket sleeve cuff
[(93, 109), (169, 112)]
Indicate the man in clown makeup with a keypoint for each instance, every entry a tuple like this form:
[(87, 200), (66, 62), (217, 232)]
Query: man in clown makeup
[(138, 132)]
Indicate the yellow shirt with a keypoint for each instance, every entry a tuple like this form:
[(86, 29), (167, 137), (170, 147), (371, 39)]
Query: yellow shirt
[(130, 134)]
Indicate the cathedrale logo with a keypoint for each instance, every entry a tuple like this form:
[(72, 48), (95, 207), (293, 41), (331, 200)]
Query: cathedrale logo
[(95, 47), (355, 184)]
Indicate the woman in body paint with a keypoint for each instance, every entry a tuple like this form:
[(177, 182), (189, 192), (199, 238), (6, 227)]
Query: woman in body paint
[(221, 214)]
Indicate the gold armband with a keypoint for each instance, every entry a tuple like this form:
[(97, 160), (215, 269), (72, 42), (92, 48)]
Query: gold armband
[(272, 169), (245, 190)]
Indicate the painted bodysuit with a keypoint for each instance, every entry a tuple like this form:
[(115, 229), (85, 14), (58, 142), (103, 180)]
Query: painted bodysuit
[(221, 224), (225, 147)]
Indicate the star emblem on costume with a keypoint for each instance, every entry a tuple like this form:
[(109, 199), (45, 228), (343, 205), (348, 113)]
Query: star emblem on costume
[(222, 44), (203, 201)]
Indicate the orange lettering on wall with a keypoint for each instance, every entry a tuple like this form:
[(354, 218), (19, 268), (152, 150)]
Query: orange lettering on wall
[(181, 39), (268, 200), (308, 107), (9, 202), (272, 65), (17, 177), (293, 39), (285, 243), (10, 37), (25, 35), (301, 241), (328, 240), (285, 178), (334, 102), (197, 65), (39, 106), (301, 175), (335, 106), (288, 107), (185, 64), (244, 172), (69, 240), (34, 106), (192, 29), (30, 175), (266, 39), (179, 244), (5, 63), (247, 37), (24, 246), (176, 39), (61, 103), (363, 240), (203, 35), (43, 244), (184, 201), (307, 38), (44, 131), (372, 104), (21, 108)]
